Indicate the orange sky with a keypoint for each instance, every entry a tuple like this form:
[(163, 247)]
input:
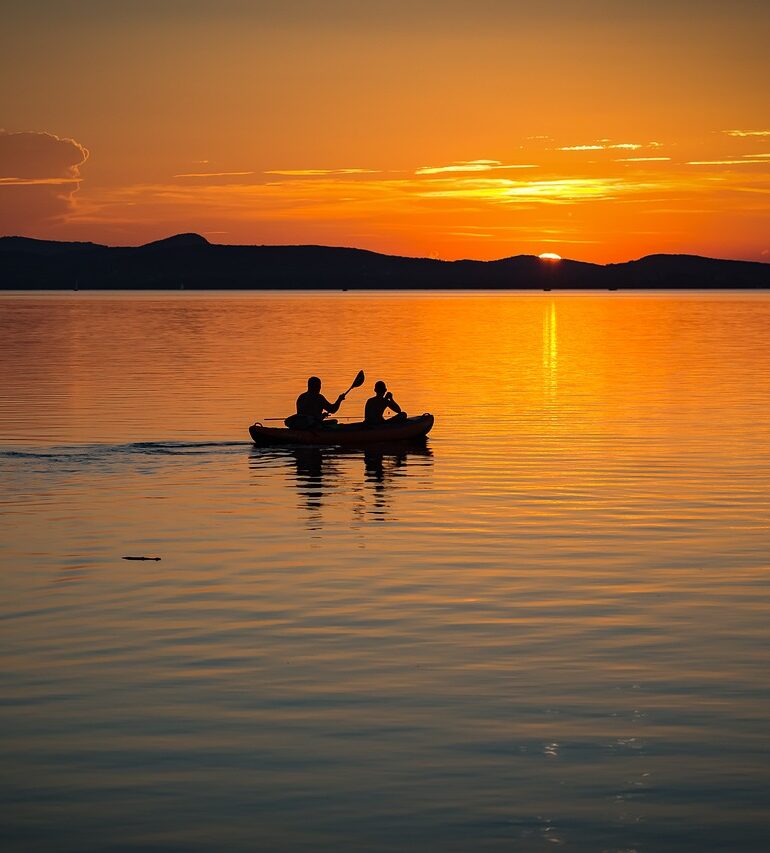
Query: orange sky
[(602, 131)]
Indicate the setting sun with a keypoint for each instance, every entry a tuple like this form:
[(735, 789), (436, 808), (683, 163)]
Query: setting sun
[(549, 256)]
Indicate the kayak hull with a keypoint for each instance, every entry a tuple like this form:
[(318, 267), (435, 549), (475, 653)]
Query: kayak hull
[(344, 435)]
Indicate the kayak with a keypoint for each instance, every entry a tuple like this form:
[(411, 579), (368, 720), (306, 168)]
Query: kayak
[(356, 434)]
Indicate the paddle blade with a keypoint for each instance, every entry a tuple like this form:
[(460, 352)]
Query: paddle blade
[(359, 380)]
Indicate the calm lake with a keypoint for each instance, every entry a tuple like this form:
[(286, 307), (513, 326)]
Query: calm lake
[(548, 628)]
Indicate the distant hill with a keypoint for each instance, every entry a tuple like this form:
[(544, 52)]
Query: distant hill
[(190, 261)]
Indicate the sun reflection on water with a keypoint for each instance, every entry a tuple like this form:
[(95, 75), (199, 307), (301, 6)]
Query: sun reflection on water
[(550, 355)]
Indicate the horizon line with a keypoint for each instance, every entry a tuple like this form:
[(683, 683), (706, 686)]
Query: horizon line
[(199, 236)]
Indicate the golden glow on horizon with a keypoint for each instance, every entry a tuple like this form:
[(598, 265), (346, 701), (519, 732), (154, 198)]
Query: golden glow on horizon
[(382, 136), (549, 256), (609, 208), (446, 213)]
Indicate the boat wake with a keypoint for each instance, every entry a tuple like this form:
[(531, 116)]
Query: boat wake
[(84, 454)]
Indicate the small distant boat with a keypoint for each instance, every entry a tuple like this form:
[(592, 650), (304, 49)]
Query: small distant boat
[(348, 435)]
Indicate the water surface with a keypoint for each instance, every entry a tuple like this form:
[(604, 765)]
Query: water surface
[(547, 628)]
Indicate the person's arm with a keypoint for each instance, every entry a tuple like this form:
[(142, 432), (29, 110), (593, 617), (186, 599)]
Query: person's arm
[(392, 404), (332, 407)]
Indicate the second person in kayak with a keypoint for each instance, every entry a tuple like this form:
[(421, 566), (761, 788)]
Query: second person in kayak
[(376, 406)]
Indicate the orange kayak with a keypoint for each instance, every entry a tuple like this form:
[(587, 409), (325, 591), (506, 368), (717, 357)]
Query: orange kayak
[(356, 434)]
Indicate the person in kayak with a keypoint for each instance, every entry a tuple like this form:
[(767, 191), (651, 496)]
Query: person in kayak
[(382, 400), (313, 407)]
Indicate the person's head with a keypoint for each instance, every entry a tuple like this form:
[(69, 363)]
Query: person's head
[(314, 384), (380, 388)]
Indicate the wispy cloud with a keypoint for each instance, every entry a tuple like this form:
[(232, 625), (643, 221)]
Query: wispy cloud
[(212, 174), (34, 182), (473, 166), (742, 133), (505, 191), (642, 159), (328, 198), (582, 148), (725, 162), (624, 146), (525, 232), (312, 173), (563, 240)]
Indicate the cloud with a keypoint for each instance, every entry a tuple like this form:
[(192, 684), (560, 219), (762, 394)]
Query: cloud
[(725, 162), (505, 191), (472, 166), (582, 148), (212, 174), (313, 173), (32, 182), (742, 133), (642, 159), (188, 203), (624, 146), (40, 155), (39, 175)]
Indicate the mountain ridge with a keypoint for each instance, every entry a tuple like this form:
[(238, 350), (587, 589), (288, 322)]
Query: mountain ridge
[(191, 261)]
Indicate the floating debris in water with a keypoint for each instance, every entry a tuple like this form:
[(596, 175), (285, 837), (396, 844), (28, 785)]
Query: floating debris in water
[(141, 558)]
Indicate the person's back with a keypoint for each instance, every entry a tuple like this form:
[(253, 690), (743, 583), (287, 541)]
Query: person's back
[(374, 410), (312, 406)]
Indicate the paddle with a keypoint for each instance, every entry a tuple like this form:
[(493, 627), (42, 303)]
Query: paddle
[(357, 383)]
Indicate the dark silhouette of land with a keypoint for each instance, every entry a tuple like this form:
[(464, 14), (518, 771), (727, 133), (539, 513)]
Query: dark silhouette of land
[(189, 261)]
